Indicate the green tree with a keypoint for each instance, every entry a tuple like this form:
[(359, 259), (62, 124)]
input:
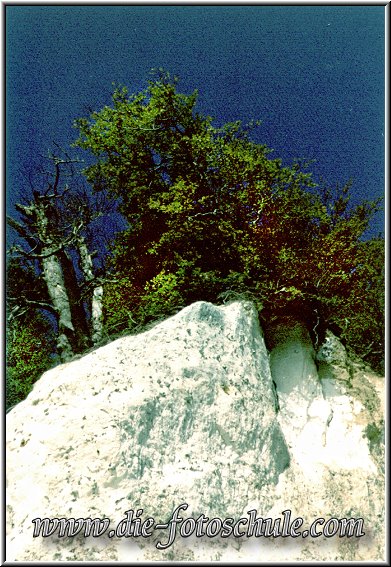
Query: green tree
[(360, 316), (210, 212)]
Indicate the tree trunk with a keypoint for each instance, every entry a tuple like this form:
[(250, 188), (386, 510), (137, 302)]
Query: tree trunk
[(97, 293), (96, 315), (56, 244), (53, 274), (54, 280), (78, 312)]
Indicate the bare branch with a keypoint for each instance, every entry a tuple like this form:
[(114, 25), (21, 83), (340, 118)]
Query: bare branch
[(31, 254), (19, 310), (21, 230), (214, 212), (56, 179)]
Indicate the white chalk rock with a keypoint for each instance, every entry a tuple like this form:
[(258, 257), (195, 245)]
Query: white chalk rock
[(187, 413)]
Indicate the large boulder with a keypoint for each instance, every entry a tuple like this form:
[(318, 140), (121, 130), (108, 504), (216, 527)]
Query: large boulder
[(187, 413), (334, 428)]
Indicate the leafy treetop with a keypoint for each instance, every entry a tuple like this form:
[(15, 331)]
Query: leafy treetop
[(211, 212)]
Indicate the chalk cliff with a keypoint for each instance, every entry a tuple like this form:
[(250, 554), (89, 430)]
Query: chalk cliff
[(197, 411)]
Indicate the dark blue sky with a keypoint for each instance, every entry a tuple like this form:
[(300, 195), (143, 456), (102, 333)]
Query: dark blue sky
[(314, 75)]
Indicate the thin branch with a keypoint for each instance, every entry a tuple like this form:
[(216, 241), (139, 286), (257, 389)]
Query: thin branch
[(21, 230), (37, 256), (56, 179), (214, 212), (33, 303)]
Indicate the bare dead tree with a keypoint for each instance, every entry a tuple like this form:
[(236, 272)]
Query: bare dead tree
[(53, 230)]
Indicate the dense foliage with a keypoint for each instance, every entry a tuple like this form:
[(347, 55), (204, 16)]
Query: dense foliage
[(29, 346), (211, 214), (30, 336)]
